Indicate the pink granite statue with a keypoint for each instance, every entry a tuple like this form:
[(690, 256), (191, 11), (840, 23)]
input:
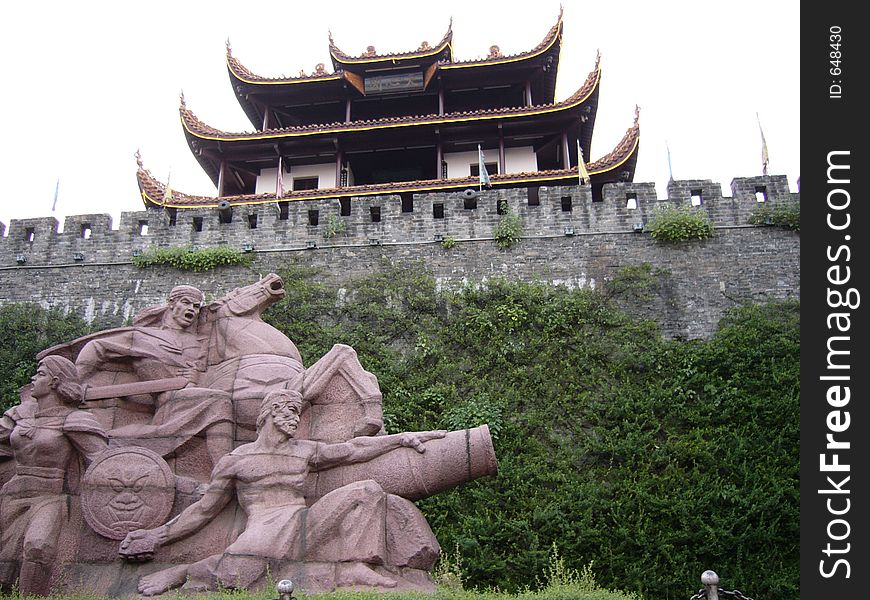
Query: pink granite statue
[(223, 456), (267, 477), (164, 345), (46, 436)]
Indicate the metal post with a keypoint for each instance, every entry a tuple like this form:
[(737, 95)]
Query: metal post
[(285, 589), (711, 584)]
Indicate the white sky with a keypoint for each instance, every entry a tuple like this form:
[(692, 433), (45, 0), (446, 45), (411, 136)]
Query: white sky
[(88, 83)]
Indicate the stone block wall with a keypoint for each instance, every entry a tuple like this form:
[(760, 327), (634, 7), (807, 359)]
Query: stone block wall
[(567, 239)]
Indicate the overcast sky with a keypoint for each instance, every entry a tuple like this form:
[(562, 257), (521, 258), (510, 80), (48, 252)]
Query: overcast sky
[(88, 83)]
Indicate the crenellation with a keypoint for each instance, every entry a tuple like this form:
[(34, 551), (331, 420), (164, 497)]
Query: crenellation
[(465, 214), (773, 186), (30, 241), (567, 239), (691, 191)]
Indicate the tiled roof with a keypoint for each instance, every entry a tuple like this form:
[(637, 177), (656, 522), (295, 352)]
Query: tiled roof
[(196, 127), (623, 150), (238, 70), (372, 56), (153, 191), (553, 34), (241, 72)]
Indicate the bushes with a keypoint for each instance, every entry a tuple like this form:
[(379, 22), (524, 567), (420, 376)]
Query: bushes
[(679, 224), (189, 259), (654, 459), (509, 229), (27, 330), (787, 215)]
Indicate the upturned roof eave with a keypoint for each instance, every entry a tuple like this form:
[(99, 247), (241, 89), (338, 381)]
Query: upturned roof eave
[(341, 59), (587, 93), (618, 165)]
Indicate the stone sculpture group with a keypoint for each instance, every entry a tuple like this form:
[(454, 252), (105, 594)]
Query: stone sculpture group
[(195, 450)]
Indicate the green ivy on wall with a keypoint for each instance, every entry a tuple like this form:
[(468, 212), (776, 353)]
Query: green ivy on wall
[(186, 258), (679, 224)]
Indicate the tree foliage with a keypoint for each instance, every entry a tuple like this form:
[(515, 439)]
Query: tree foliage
[(654, 459), (27, 330)]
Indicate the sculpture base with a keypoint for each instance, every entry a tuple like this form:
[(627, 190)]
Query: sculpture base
[(120, 579)]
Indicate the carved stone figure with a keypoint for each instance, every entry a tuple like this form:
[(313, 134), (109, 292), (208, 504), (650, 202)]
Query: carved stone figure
[(216, 452), (267, 478), (164, 344), (44, 435)]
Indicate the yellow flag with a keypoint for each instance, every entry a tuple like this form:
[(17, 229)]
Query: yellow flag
[(581, 166), (765, 158), (167, 191)]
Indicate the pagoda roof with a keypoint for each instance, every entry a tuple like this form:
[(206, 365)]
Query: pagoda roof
[(551, 40), (617, 165), (196, 128), (443, 51), (322, 85)]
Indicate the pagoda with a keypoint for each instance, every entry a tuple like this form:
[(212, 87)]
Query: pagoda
[(400, 123)]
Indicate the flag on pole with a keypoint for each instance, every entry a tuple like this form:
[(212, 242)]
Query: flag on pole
[(279, 185), (670, 168), (765, 159), (484, 176), (582, 173), (56, 188)]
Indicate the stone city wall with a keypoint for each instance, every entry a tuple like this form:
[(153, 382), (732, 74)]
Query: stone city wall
[(567, 239)]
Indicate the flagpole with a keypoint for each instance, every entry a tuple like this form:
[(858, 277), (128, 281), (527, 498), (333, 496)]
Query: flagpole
[(56, 189)]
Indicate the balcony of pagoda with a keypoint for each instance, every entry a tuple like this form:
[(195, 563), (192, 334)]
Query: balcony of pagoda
[(383, 150)]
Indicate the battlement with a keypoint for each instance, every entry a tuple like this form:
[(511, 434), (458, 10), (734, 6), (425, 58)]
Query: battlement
[(551, 211)]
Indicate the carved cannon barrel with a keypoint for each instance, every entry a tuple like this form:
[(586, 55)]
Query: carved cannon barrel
[(458, 457)]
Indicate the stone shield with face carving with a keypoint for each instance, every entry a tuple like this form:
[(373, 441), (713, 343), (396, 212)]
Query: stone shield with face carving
[(125, 489)]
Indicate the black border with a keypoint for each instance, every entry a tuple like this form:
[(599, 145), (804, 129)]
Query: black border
[(833, 124)]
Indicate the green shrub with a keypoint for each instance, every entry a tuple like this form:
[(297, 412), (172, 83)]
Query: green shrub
[(679, 224), (27, 330), (189, 259), (655, 459), (335, 226), (448, 242), (509, 229), (787, 215)]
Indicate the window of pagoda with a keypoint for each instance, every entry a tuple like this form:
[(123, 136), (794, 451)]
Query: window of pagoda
[(378, 107), (485, 97), (394, 164), (305, 183)]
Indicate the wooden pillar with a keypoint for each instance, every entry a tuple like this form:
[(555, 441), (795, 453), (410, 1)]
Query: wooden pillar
[(528, 93), (441, 102), (566, 153), (439, 158), (347, 111), (339, 160), (266, 119), (222, 176), (501, 165)]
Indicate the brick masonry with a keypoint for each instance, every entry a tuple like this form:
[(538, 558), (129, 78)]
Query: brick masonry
[(86, 268)]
